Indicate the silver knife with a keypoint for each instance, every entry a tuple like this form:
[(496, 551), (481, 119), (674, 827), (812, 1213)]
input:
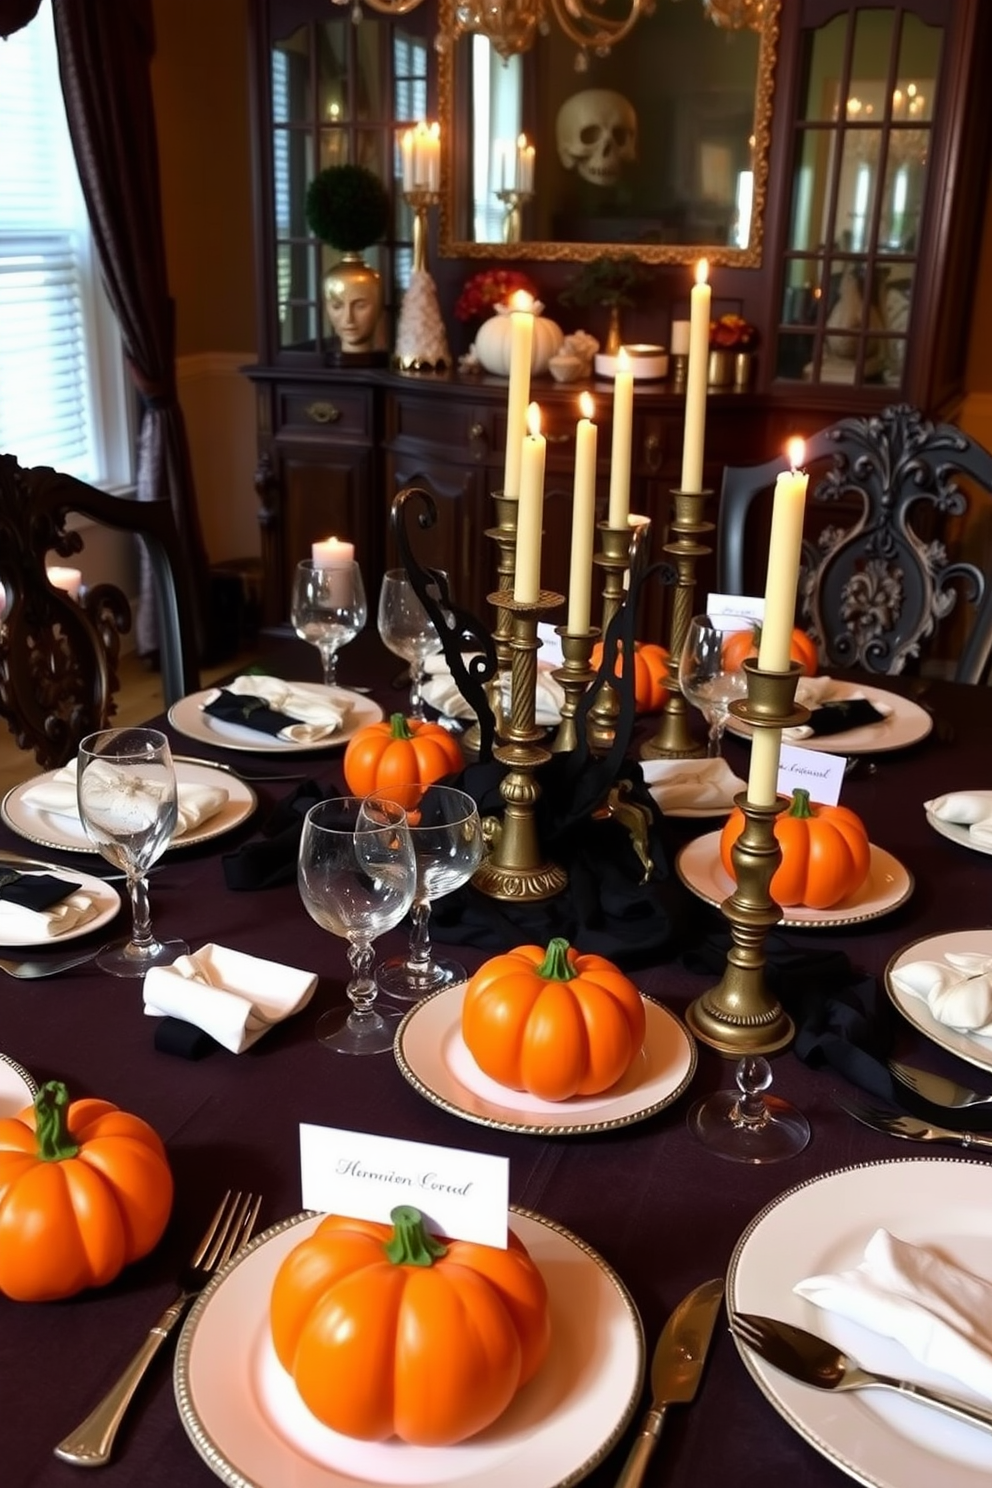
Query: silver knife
[(676, 1370), (913, 1128)]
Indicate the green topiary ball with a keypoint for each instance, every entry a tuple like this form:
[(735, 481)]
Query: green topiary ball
[(347, 207)]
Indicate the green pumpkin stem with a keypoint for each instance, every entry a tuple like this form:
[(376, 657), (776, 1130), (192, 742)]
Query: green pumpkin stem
[(50, 1109), (556, 966), (800, 804), (398, 724), (410, 1244)]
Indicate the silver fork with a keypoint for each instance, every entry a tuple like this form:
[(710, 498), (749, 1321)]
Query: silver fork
[(912, 1128), (46, 966), (937, 1089), (91, 1444)]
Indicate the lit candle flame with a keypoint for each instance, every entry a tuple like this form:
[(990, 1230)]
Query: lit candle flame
[(587, 407), (702, 271), (623, 360), (533, 419), (796, 451), (521, 300), (521, 142)]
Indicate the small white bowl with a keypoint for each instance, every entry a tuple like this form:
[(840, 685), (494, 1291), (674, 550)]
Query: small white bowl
[(647, 363), (566, 368)]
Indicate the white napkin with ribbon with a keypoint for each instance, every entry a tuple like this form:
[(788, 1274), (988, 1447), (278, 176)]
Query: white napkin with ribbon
[(441, 692), (686, 787), (18, 923), (319, 715), (57, 795), (234, 997), (957, 990), (813, 692), (940, 1313), (971, 809)]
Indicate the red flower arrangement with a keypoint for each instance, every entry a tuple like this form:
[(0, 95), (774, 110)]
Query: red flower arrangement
[(488, 288), (732, 333)]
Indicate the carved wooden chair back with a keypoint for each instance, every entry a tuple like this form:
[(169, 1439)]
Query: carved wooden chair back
[(873, 590), (59, 657)]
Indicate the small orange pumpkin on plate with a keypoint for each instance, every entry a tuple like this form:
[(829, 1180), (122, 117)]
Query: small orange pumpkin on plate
[(650, 673), (741, 644), (398, 757), (826, 856)]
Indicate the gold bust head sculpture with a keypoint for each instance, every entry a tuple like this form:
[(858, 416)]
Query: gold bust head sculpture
[(353, 301)]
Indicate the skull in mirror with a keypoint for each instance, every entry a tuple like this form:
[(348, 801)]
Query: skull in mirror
[(597, 135)]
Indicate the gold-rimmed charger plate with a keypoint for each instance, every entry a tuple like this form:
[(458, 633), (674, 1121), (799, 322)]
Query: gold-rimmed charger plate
[(431, 1054), (106, 904), (245, 1418), (888, 885), (957, 831), (907, 723), (17, 1088), (974, 1047), (187, 717)]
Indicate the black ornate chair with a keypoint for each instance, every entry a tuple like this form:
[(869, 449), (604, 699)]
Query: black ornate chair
[(58, 657), (872, 593)]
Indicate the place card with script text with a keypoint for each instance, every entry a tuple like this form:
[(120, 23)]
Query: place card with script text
[(735, 611), (462, 1195), (810, 770)]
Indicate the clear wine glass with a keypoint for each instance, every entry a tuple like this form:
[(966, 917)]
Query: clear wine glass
[(407, 630), (706, 681), (126, 794), (328, 609), (747, 1124), (447, 840), (357, 876)]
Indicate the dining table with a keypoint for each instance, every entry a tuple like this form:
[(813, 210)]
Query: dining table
[(660, 1210)]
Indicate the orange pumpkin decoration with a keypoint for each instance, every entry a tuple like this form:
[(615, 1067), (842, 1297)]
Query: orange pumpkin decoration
[(552, 1022), (650, 673), (388, 1332), (744, 643), (85, 1188), (826, 855), (398, 757)]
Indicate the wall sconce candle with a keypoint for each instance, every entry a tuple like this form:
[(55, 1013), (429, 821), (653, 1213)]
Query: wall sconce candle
[(69, 580)]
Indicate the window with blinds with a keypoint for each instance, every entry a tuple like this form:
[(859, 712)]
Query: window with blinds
[(63, 400)]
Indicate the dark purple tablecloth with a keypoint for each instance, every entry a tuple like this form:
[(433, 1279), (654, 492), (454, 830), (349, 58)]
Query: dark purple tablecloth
[(661, 1210)]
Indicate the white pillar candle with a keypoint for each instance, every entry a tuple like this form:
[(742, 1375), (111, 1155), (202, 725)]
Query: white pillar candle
[(623, 422), (784, 551), (332, 554), (680, 338), (694, 438), (521, 346), (530, 512), (69, 580), (583, 520), (525, 165), (406, 158), (762, 780), (432, 157)]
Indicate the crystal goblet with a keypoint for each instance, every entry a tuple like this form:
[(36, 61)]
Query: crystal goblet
[(328, 609), (705, 679), (407, 630), (747, 1124)]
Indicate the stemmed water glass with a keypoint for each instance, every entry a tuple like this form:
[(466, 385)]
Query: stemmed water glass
[(447, 839), (328, 609), (357, 877), (747, 1124), (407, 630), (706, 681), (126, 794)]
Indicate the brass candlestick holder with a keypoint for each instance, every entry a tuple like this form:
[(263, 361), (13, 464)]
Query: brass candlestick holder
[(421, 339), (516, 868), (614, 559), (504, 535), (573, 676), (513, 205), (672, 739), (739, 1015)]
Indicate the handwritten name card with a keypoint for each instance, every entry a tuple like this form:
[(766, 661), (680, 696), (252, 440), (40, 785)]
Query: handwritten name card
[(810, 770)]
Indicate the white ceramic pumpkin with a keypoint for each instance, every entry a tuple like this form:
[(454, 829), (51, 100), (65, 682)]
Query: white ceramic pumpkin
[(492, 344)]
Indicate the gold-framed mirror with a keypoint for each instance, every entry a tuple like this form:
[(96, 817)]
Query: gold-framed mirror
[(660, 148)]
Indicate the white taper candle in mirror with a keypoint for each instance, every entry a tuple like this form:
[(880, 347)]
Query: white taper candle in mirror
[(583, 519), (623, 422), (694, 437), (521, 347), (784, 552), (530, 512)]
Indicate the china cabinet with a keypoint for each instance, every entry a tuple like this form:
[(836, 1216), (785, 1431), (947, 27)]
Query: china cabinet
[(869, 228)]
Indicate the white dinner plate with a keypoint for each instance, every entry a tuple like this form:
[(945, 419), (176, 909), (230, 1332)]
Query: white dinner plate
[(431, 1054), (17, 1088), (974, 1047), (51, 829), (887, 886), (104, 895), (243, 1414), (906, 724), (876, 1437), (958, 831), (187, 717)]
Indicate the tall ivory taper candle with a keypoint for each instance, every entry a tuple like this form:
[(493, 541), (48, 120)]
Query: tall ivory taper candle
[(784, 551), (583, 520), (694, 438), (530, 512), (521, 346), (762, 780), (623, 422)]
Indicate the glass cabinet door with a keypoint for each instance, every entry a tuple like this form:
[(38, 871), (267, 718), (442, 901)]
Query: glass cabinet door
[(858, 185)]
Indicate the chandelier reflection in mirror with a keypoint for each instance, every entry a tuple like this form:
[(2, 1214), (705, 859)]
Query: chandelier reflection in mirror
[(512, 26)]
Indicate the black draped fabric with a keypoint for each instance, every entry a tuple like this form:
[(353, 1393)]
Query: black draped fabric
[(16, 13), (105, 54)]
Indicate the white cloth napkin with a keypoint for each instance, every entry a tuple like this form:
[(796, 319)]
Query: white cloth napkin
[(441, 691), (57, 794), (813, 692), (233, 997), (957, 990), (971, 809), (320, 715), (20, 924), (940, 1313), (685, 787)]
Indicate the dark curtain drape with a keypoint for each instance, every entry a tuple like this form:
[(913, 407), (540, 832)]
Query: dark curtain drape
[(16, 13), (105, 53)]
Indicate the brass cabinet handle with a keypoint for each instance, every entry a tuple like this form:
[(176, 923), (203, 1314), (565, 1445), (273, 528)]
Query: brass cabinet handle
[(322, 413), (477, 431), (652, 451)]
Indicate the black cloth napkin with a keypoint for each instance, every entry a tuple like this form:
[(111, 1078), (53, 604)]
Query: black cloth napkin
[(185, 1040), (837, 718), (248, 711), (269, 861), (36, 891)]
